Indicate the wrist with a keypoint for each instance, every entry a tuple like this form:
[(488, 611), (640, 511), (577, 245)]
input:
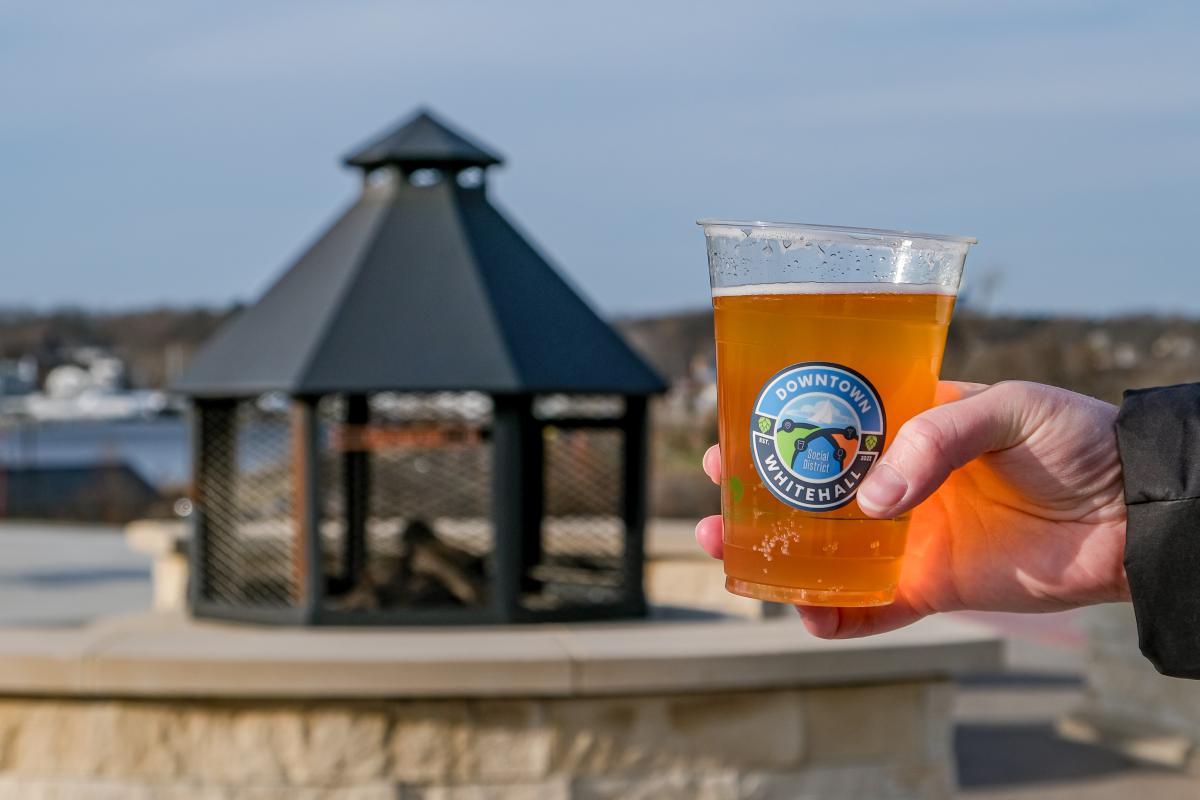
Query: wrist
[(1119, 583)]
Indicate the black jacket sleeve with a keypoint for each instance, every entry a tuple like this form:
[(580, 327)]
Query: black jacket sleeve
[(1158, 437)]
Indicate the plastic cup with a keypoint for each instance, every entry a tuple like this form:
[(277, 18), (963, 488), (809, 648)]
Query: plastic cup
[(828, 340)]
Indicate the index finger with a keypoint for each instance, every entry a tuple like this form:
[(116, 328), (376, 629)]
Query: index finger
[(949, 391), (712, 463)]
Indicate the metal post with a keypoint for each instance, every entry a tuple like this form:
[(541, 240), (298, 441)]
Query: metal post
[(356, 490), (634, 486), (308, 571), (533, 493), (508, 482), (197, 558)]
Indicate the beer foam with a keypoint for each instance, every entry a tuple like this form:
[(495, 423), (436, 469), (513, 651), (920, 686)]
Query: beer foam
[(802, 287)]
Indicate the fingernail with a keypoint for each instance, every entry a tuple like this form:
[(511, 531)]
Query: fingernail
[(883, 488)]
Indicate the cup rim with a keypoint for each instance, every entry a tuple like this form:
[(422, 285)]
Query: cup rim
[(866, 233)]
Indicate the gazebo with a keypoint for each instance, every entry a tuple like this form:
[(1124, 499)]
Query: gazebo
[(419, 421)]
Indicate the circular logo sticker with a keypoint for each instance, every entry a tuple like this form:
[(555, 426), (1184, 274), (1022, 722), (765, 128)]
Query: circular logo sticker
[(816, 429)]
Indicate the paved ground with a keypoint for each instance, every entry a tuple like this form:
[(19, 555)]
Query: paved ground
[(68, 574), (1005, 741)]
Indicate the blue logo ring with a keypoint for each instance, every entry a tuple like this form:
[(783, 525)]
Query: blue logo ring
[(816, 429)]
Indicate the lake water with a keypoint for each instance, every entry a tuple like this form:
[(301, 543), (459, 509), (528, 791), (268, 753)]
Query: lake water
[(156, 448)]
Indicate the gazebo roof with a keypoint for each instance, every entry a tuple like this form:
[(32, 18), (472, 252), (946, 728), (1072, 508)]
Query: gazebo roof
[(420, 288), (422, 141)]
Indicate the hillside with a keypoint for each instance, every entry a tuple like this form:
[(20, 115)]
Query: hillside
[(154, 343), (1100, 357)]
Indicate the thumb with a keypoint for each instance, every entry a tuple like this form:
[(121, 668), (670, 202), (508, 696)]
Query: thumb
[(936, 442)]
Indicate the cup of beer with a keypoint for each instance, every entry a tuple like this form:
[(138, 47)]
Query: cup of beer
[(828, 340)]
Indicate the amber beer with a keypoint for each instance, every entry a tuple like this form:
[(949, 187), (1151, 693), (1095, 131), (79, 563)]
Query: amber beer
[(836, 557), (814, 379)]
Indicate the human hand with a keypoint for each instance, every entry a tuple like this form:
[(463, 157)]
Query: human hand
[(1018, 505)]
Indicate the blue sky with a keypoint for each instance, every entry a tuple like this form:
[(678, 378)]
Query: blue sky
[(185, 152)]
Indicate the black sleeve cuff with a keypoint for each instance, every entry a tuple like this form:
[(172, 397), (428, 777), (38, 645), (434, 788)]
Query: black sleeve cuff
[(1158, 437)]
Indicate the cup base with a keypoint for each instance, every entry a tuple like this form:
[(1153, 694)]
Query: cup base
[(808, 597)]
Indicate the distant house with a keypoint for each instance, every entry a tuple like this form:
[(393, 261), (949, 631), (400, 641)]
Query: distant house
[(18, 376)]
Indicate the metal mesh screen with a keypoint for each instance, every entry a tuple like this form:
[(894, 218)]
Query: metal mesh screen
[(429, 529), (583, 527), (404, 505), (244, 490)]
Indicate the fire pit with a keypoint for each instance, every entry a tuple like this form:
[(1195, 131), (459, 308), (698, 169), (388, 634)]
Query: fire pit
[(419, 422)]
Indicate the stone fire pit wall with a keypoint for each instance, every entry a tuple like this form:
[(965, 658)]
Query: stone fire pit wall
[(163, 707)]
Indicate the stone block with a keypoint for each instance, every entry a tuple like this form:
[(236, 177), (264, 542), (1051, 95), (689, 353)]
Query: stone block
[(194, 742), (751, 729), (692, 732), (507, 741), (544, 790), (220, 744), (938, 709), (338, 746), (428, 741), (609, 735), (70, 789), (866, 722), (845, 782), (928, 780), (470, 742), (373, 791), (90, 739), (722, 785), (34, 789)]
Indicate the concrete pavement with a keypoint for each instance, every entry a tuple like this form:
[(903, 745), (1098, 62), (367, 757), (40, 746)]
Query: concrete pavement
[(1005, 742), (64, 574)]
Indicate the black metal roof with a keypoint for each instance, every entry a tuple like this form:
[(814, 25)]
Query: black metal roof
[(423, 141), (418, 288)]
